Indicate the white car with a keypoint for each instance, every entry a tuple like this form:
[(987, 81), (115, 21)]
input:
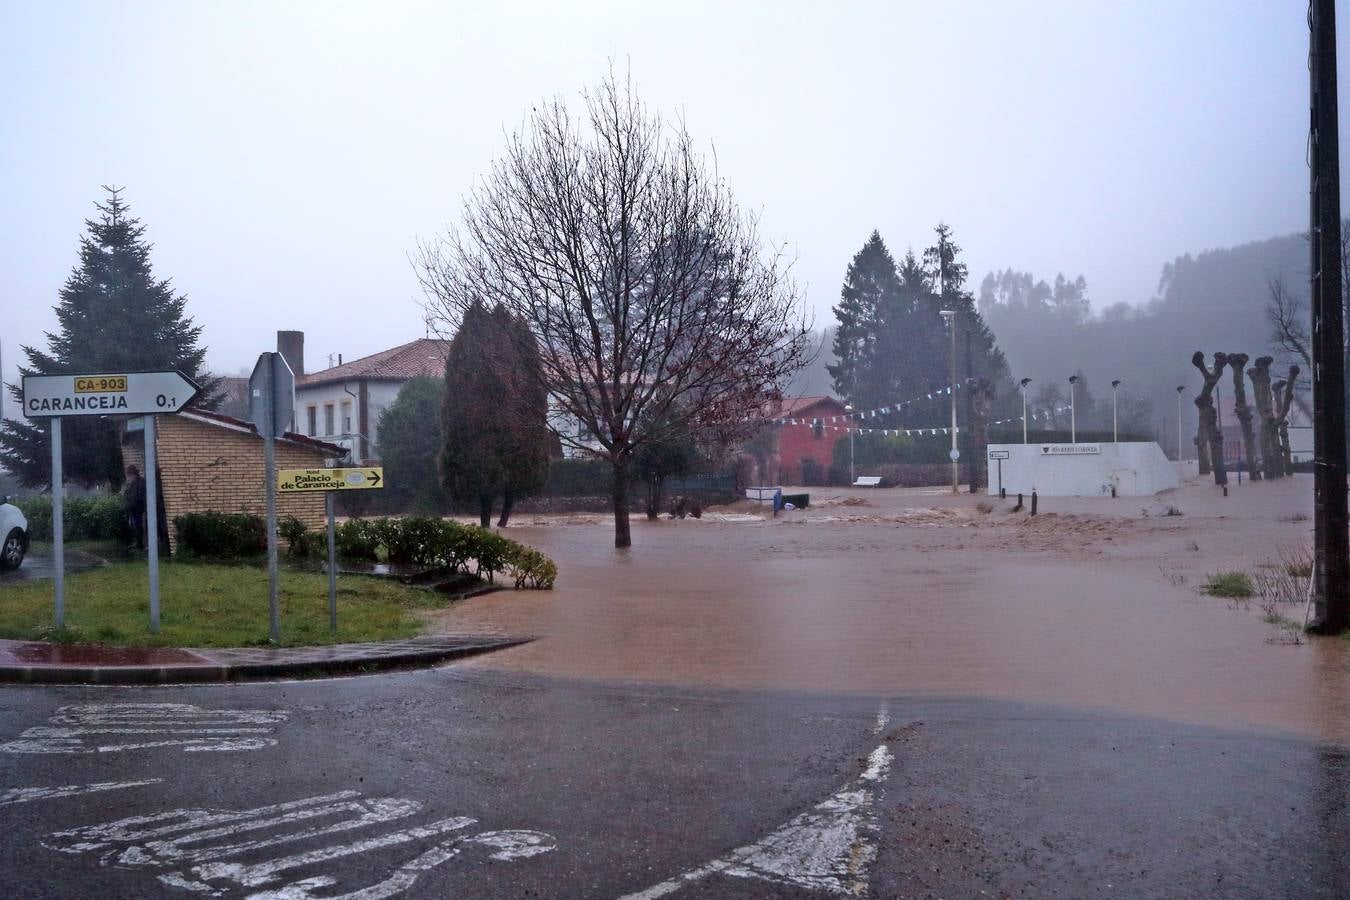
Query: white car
[(13, 533)]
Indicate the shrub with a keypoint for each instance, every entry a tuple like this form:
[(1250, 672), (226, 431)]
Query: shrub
[(302, 543), (531, 569), (357, 539), (427, 541), (96, 517), (1229, 584), (215, 534)]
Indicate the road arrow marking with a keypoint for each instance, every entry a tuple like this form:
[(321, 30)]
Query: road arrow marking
[(827, 848)]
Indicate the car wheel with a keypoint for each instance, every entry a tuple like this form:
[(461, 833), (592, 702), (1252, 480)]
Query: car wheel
[(11, 554)]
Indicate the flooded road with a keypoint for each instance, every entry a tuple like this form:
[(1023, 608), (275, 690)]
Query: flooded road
[(1094, 606)]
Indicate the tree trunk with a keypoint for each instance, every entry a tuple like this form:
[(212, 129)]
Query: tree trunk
[(1210, 416), (485, 510), (1268, 434), (1202, 447), (508, 500), (653, 498), (623, 536), (1238, 362)]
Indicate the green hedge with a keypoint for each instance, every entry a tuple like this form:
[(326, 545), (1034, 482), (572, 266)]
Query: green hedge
[(413, 540), (221, 535), (95, 517), (580, 478)]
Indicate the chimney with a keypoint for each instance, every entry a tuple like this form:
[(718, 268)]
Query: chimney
[(291, 345)]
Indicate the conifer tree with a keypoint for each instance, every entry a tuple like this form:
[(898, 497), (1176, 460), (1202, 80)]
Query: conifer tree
[(870, 285), (494, 419), (114, 316)]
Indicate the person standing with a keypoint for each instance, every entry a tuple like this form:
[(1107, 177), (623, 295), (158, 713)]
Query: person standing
[(133, 505)]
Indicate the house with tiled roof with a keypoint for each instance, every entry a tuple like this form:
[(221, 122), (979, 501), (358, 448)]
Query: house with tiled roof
[(342, 404)]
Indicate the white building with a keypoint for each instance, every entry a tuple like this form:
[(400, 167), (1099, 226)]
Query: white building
[(342, 404)]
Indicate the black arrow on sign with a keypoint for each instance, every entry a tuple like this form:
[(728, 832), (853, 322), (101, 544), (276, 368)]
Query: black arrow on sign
[(374, 479)]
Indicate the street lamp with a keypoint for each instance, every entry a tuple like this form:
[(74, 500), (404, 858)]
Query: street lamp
[(1025, 382), (1073, 418), (1180, 388), (1115, 430), (848, 408), (950, 316)]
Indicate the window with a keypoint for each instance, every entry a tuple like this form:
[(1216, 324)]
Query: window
[(328, 418), (346, 417), (313, 420)]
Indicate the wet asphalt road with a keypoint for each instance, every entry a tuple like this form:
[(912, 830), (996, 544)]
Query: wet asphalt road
[(593, 790)]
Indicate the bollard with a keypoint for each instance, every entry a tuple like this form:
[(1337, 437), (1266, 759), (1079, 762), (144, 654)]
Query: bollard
[(1113, 491), (1003, 493), (1225, 490), (1033, 503)]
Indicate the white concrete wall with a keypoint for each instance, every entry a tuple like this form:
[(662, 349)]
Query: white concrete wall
[(1136, 469)]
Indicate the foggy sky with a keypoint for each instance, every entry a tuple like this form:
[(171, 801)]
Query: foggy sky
[(286, 157)]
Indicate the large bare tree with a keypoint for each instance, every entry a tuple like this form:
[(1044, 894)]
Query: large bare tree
[(654, 304)]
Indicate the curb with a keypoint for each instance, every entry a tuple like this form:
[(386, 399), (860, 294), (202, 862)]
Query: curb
[(196, 674)]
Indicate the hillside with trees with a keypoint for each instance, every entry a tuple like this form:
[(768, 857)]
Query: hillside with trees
[(1215, 300)]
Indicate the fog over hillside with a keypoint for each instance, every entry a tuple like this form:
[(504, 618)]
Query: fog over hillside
[(1211, 301)]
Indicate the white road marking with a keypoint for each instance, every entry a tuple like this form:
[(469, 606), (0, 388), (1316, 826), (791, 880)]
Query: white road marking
[(29, 794), (827, 848), (96, 727), (204, 849), (883, 717)]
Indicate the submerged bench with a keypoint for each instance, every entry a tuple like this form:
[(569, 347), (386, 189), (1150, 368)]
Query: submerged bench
[(868, 481)]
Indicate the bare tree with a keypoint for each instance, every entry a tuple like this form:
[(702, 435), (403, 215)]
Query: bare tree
[(1284, 400), (654, 304), (1208, 436), (1259, 373)]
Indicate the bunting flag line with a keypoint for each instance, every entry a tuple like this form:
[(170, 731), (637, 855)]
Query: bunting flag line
[(871, 413)]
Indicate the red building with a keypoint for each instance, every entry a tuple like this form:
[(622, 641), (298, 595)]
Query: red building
[(806, 449)]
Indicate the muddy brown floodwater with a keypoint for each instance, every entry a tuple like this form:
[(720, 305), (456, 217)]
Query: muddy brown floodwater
[(1094, 603)]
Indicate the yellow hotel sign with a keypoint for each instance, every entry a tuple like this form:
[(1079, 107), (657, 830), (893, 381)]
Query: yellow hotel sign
[(295, 481)]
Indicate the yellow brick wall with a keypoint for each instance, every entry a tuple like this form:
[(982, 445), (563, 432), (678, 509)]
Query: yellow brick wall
[(208, 468)]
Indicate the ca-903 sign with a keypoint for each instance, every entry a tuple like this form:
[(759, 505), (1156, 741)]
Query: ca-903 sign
[(101, 384)]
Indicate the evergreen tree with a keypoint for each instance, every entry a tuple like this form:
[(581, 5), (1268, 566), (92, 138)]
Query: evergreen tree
[(870, 285), (409, 444), (949, 275), (114, 316), (494, 417)]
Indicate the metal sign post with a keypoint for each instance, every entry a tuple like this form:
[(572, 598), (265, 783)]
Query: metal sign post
[(271, 405), (308, 481), (152, 520), (58, 526), (104, 394), (332, 563)]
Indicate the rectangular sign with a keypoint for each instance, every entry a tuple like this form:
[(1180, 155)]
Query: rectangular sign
[(1070, 449), (106, 394), (298, 481), (1000, 454)]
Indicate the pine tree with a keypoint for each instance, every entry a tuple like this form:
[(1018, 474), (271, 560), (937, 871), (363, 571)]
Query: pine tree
[(410, 439), (949, 274), (870, 292), (114, 316)]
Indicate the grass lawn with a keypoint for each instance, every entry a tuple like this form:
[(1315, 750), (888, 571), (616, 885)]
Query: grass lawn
[(204, 605)]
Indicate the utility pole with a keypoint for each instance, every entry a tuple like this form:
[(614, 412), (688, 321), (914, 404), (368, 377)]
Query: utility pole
[(950, 316), (1025, 382), (1073, 414), (969, 442), (1331, 519), (1180, 388), (1115, 427)]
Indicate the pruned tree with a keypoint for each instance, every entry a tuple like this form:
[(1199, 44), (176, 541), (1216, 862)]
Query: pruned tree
[(1283, 392), (1209, 437), (1238, 363), (648, 295), (1259, 374), (981, 405)]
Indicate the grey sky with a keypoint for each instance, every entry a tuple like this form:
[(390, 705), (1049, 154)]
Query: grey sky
[(286, 156)]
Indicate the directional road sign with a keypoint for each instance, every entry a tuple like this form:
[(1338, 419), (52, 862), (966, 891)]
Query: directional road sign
[(1000, 454), (107, 394), (296, 481)]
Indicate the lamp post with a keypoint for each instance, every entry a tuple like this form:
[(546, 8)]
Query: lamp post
[(1115, 428), (1180, 388), (1073, 415), (848, 408), (1025, 382), (950, 316)]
